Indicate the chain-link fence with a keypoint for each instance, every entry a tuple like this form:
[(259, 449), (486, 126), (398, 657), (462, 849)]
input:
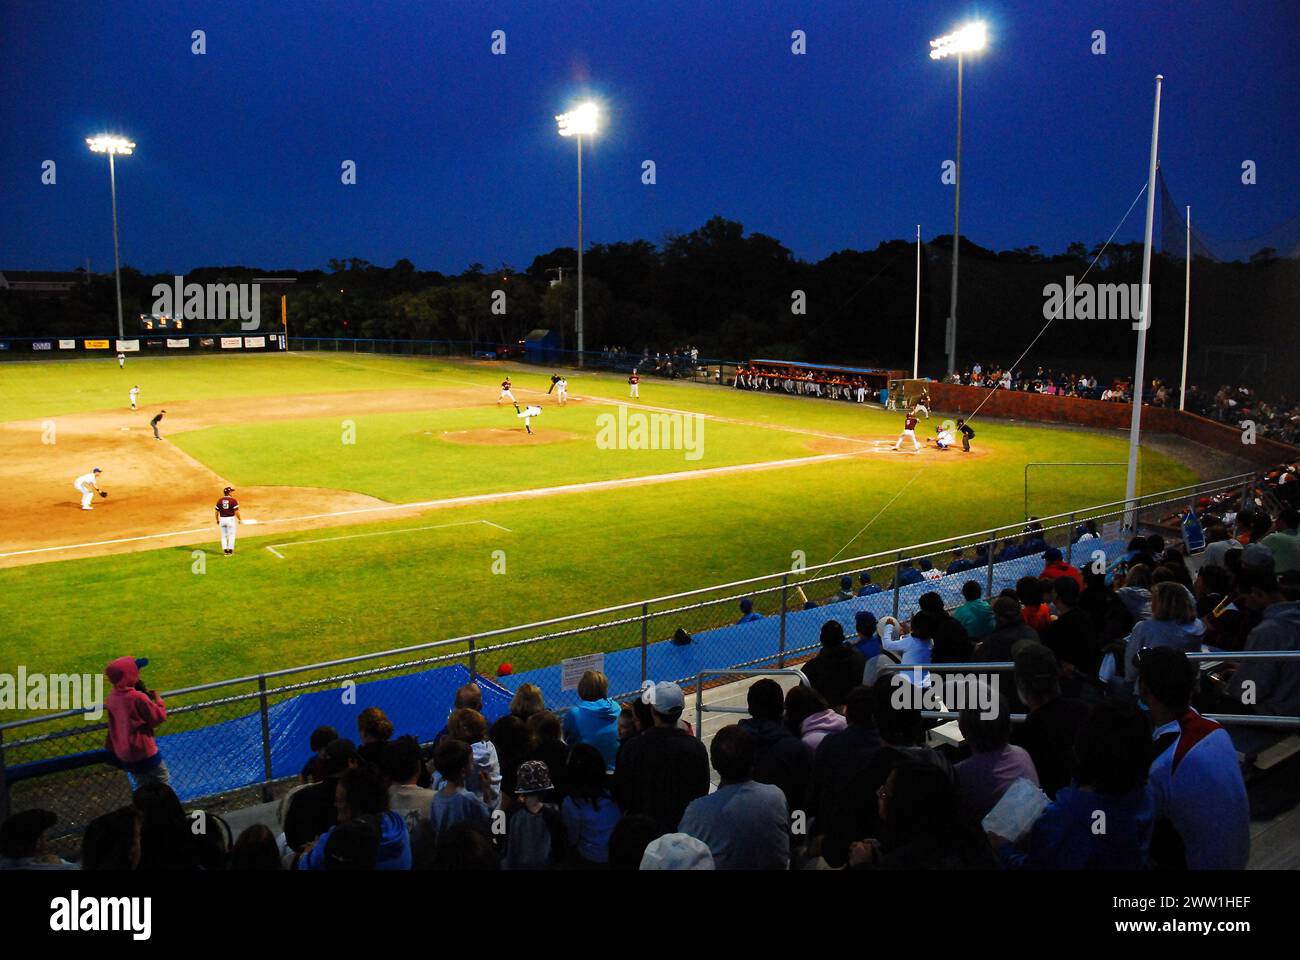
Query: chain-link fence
[(239, 741)]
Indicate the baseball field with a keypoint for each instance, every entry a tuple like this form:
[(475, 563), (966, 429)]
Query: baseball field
[(396, 501)]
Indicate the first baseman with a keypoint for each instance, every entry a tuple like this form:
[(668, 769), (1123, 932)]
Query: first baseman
[(87, 484), (505, 392), (228, 520)]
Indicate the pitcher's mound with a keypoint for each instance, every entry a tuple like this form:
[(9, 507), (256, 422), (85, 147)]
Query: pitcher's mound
[(499, 437)]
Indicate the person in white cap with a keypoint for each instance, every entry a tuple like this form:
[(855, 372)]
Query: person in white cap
[(134, 392), (527, 414), (661, 770), (676, 851), (87, 484)]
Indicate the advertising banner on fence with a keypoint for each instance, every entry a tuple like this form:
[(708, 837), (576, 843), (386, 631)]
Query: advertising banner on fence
[(231, 343), (153, 343), (206, 341), (128, 346), (67, 344), (183, 342), (96, 344), (42, 345), (255, 342)]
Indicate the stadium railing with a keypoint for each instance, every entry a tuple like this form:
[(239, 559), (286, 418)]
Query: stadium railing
[(245, 720)]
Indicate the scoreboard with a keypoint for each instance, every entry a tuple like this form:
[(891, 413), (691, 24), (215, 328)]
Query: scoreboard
[(151, 322)]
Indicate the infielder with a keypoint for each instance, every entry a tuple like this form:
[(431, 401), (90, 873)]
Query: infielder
[(228, 520), (133, 392), (909, 433), (506, 394), (634, 382), (154, 423), (87, 485), (527, 413), (562, 390)]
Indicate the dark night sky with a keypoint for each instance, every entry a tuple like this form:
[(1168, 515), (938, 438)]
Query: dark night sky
[(458, 158)]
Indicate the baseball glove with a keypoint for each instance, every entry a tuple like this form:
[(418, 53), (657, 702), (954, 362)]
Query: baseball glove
[(103, 493)]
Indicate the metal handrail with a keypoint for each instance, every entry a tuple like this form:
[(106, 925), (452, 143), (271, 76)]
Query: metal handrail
[(700, 707)]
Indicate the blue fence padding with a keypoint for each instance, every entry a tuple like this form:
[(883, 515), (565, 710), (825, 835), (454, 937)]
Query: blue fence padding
[(228, 755), (722, 647)]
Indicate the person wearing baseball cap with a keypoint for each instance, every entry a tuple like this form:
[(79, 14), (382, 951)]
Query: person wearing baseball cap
[(664, 768), (535, 831), (134, 711), (677, 851), (22, 842)]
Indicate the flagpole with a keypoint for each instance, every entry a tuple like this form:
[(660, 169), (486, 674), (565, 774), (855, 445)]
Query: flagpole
[(1139, 372), (916, 340), (1187, 313)]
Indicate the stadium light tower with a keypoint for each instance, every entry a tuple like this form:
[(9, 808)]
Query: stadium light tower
[(579, 122), (113, 146), (971, 38)]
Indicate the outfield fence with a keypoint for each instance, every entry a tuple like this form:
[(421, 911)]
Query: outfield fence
[(253, 730)]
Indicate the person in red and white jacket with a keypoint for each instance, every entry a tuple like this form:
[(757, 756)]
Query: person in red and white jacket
[(1203, 814), (134, 711)]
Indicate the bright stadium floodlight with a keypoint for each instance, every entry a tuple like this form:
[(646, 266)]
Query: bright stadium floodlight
[(969, 39), (114, 147), (579, 122)]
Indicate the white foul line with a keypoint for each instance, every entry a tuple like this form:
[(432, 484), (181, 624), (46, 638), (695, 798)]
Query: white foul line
[(383, 533)]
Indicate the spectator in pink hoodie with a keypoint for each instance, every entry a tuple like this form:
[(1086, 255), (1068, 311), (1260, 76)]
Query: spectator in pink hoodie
[(133, 712), (808, 717)]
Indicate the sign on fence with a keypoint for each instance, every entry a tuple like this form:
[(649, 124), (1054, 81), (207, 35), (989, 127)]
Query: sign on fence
[(128, 346), (42, 345), (572, 669), (67, 344), (96, 344), (182, 342), (255, 342), (231, 343)]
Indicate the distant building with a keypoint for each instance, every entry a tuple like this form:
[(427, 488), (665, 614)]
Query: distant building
[(42, 281)]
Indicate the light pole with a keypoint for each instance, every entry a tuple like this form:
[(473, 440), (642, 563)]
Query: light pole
[(579, 122), (113, 146), (969, 39)]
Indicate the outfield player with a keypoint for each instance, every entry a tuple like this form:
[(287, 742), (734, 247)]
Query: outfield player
[(527, 413), (87, 484), (967, 435), (634, 382), (562, 390), (154, 423), (121, 360), (134, 392), (505, 393), (228, 520), (909, 433)]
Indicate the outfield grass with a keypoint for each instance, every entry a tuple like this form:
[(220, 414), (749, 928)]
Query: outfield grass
[(563, 554)]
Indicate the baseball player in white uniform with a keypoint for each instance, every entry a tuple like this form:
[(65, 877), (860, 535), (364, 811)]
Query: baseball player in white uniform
[(527, 413), (562, 390), (228, 518), (943, 438), (133, 392), (506, 393), (121, 360), (87, 484)]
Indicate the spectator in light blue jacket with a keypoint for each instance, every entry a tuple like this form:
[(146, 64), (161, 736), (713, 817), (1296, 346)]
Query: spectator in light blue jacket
[(595, 719)]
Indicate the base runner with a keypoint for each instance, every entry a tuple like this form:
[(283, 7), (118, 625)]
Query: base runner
[(87, 485), (527, 413), (505, 393), (634, 382), (909, 433), (227, 510)]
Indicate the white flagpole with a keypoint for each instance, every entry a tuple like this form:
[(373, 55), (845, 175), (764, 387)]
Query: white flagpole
[(1187, 313), (1139, 373), (916, 341)]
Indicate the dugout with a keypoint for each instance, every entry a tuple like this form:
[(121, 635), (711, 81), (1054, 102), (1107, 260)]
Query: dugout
[(876, 380), (542, 347)]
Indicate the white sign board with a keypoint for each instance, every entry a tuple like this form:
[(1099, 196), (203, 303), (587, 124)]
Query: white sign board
[(571, 670), (67, 344), (257, 342), (231, 343), (183, 342), (128, 346)]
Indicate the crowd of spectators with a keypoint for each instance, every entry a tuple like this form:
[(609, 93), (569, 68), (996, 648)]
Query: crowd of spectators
[(676, 363), (838, 771), (805, 382)]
